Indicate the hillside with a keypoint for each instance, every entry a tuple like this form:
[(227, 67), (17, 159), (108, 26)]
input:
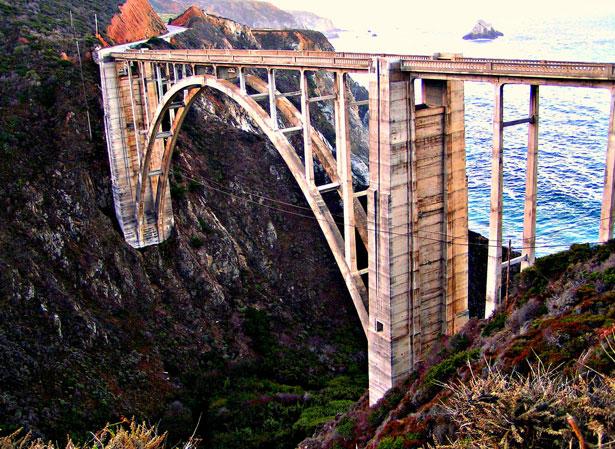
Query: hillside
[(539, 374), (239, 327), (241, 319), (254, 13)]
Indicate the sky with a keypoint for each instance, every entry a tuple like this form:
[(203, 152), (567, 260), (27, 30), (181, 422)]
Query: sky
[(347, 13)]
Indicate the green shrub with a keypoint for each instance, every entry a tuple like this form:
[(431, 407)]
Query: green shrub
[(315, 416), (205, 227), (196, 242), (345, 428), (459, 342), (391, 443), (495, 324), (194, 186), (178, 191), (446, 367), (256, 325)]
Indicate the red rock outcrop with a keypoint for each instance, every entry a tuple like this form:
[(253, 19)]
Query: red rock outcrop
[(136, 20), (184, 18)]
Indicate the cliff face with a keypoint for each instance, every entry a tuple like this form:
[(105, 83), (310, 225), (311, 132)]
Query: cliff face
[(135, 21), (186, 18), (241, 317), (311, 21), (254, 13)]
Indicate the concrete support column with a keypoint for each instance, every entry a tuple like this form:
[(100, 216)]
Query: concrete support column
[(494, 263), (344, 168), (135, 113), (607, 215), (442, 211), (391, 97), (144, 94), (273, 111), (242, 80), (308, 157), (531, 184), (456, 200), (160, 91)]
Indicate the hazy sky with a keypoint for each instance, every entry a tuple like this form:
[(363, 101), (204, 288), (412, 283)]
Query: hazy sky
[(345, 12)]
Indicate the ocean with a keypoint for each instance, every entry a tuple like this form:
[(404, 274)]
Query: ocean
[(573, 121)]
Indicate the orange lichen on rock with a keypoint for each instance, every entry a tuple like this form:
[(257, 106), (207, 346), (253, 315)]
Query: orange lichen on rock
[(184, 18), (136, 20)]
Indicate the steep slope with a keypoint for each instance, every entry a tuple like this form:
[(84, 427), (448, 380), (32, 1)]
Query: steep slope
[(558, 336), (136, 20), (254, 13), (241, 317), (311, 21), (185, 19)]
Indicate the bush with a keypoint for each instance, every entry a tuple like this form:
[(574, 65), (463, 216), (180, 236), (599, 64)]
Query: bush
[(495, 324), (127, 435), (206, 228), (313, 417), (196, 242), (545, 409), (391, 443), (345, 428), (446, 367)]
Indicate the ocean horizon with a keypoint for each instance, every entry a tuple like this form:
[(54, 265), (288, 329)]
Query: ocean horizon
[(573, 125)]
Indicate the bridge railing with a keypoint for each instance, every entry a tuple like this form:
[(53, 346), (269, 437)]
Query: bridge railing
[(315, 60), (531, 68), (278, 58)]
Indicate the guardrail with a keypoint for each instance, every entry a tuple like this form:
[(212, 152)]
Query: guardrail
[(516, 68), (348, 61)]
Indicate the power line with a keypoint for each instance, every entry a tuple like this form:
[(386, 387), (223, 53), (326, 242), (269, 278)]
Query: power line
[(222, 188), (260, 194), (380, 231), (85, 98)]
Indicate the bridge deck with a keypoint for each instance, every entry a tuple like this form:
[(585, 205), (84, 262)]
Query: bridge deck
[(589, 74)]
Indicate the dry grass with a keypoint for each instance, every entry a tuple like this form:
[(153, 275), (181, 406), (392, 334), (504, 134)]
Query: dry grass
[(543, 409), (126, 435)]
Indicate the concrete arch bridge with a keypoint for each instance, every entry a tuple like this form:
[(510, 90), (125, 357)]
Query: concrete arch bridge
[(414, 286)]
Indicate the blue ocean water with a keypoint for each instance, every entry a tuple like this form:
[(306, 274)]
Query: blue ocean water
[(573, 121)]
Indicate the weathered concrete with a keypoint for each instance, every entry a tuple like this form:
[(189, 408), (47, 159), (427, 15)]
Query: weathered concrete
[(416, 225)]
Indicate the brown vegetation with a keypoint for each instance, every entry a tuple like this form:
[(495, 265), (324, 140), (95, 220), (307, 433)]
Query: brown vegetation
[(540, 409), (483, 388), (125, 435)]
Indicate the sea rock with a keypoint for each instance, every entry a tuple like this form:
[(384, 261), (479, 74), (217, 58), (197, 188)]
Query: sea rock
[(483, 30)]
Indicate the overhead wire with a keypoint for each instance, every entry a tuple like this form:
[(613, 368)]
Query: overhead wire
[(209, 184)]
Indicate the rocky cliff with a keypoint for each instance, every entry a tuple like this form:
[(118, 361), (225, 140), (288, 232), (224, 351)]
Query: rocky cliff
[(188, 17), (135, 21), (311, 21), (241, 319), (254, 13)]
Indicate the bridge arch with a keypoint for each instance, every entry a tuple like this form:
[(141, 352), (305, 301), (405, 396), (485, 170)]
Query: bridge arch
[(194, 85)]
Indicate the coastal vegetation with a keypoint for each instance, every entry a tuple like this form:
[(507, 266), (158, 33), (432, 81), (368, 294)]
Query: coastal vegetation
[(540, 373)]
